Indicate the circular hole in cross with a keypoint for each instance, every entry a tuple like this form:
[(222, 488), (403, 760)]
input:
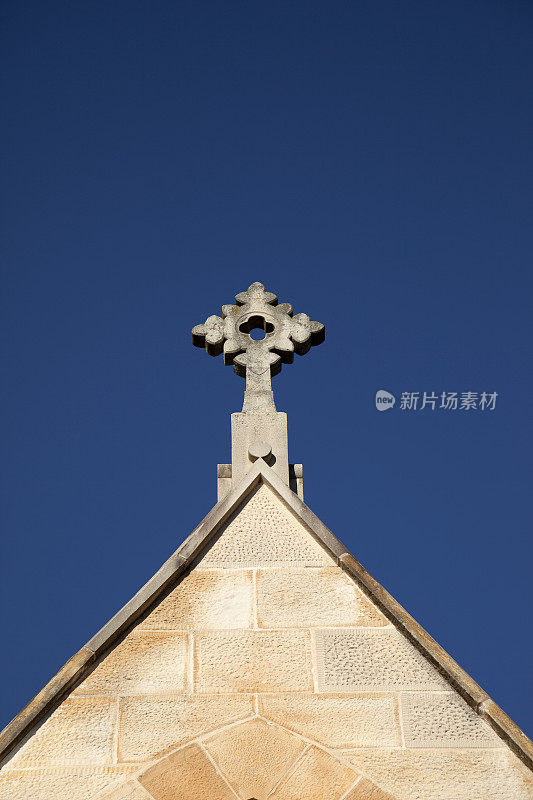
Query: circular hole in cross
[(256, 327)]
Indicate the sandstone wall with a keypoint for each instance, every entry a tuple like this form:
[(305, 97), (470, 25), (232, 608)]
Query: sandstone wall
[(265, 673)]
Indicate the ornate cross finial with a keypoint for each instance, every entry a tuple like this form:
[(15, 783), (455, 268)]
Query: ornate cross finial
[(258, 358)]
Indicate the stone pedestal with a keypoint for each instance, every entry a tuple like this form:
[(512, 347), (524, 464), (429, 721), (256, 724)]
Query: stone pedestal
[(254, 432)]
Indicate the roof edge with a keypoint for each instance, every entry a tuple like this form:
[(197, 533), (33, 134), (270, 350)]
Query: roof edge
[(475, 696), (79, 664), (53, 692), (76, 668)]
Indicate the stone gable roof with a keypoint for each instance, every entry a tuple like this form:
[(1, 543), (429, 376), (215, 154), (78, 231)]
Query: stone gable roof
[(199, 541)]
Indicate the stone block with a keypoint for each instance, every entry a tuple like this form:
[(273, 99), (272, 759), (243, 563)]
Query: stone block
[(443, 719), (151, 725), (337, 721), (296, 480), (254, 756), (446, 774), (317, 776), (185, 775), (263, 532), (306, 597), (252, 661), (132, 790), (371, 660), (143, 663), (366, 790), (79, 731), (205, 599), (75, 783), (248, 427)]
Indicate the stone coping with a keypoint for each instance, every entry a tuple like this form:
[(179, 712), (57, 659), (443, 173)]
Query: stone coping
[(75, 670)]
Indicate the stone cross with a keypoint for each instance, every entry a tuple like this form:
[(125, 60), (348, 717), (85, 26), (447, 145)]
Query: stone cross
[(257, 358)]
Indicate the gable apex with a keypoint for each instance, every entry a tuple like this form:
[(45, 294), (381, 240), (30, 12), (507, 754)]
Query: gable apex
[(192, 551)]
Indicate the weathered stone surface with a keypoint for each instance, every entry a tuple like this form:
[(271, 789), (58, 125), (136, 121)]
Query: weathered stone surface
[(62, 680), (457, 677), (250, 427), (131, 790), (185, 775), (337, 721), (143, 663), (443, 719), (371, 660), (80, 731), (254, 756), (366, 790), (265, 533), (205, 599), (446, 774), (75, 783), (306, 597), (317, 776), (224, 481), (252, 661), (151, 725)]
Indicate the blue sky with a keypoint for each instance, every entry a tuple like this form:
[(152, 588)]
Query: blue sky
[(371, 163)]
